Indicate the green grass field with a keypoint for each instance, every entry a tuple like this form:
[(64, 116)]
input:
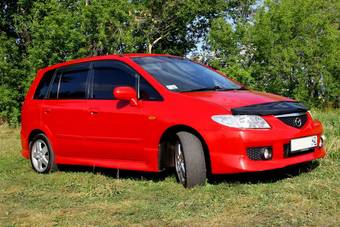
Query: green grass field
[(307, 195)]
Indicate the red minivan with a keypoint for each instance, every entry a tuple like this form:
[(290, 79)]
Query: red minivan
[(151, 112)]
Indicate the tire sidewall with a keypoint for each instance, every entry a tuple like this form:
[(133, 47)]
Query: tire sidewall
[(194, 159)]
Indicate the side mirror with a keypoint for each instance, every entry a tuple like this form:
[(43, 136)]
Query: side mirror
[(127, 94)]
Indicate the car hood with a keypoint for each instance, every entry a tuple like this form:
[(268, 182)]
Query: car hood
[(237, 98)]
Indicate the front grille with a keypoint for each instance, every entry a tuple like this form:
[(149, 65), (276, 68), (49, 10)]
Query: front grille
[(296, 120)]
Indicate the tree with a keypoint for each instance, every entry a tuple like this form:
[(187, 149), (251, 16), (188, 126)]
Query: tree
[(62, 31), (227, 41), (289, 47), (173, 26), (14, 37), (296, 49), (35, 34), (11, 86)]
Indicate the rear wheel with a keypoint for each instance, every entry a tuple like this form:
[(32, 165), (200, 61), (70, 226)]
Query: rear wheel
[(189, 160), (41, 154)]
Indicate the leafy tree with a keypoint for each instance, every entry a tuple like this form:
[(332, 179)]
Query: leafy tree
[(67, 30), (173, 26), (35, 34), (289, 47), (11, 87), (227, 41), (296, 49)]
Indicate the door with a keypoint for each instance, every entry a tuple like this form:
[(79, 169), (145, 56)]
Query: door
[(63, 111), (115, 130)]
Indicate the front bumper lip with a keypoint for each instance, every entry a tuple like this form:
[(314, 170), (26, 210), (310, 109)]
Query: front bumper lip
[(241, 163)]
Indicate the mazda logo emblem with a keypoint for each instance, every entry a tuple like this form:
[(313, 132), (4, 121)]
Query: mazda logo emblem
[(298, 122)]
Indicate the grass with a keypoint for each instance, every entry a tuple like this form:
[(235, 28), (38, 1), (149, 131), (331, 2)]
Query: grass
[(307, 195)]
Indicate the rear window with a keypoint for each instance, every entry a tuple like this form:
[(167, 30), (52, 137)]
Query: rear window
[(44, 84)]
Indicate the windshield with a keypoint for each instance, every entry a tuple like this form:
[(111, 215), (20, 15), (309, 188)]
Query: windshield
[(183, 75)]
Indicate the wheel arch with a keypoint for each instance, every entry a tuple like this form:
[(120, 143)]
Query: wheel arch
[(35, 132), (165, 156)]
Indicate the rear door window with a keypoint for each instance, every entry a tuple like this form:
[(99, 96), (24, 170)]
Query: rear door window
[(73, 85)]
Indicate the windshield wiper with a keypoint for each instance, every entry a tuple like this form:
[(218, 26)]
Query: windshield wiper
[(215, 88), (205, 89)]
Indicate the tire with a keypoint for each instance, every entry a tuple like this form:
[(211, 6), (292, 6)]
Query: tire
[(41, 154), (189, 160)]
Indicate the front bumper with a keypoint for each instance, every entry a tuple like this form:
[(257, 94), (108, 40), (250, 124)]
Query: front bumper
[(228, 147), (241, 163)]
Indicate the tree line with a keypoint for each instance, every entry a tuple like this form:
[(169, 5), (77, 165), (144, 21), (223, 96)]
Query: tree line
[(289, 47)]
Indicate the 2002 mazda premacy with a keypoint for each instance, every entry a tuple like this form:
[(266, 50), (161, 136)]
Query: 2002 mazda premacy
[(151, 112)]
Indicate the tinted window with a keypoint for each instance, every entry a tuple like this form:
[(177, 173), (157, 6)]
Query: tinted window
[(54, 87), (42, 88), (106, 79), (73, 85), (147, 92), (179, 74)]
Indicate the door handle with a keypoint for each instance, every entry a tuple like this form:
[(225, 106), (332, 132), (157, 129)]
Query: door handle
[(47, 110), (93, 111)]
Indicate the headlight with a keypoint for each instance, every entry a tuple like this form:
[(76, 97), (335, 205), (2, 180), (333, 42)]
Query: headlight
[(241, 121)]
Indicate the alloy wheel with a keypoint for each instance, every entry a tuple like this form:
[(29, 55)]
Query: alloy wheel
[(180, 163), (40, 155)]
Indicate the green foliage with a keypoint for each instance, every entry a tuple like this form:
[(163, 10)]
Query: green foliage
[(289, 47), (9, 106), (224, 40), (298, 44), (173, 26), (62, 30), (11, 85)]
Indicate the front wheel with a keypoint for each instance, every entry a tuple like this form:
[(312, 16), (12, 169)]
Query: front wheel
[(189, 160)]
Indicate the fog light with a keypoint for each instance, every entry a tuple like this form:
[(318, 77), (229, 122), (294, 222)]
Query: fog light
[(266, 153), (322, 140), (260, 153)]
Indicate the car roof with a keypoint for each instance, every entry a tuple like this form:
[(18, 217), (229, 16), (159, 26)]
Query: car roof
[(133, 55), (103, 57)]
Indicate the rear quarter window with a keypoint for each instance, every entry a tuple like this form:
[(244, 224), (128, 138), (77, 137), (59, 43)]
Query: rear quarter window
[(41, 91)]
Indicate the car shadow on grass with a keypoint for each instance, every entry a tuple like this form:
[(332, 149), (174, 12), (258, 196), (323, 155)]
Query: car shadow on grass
[(243, 178), (117, 173), (270, 176)]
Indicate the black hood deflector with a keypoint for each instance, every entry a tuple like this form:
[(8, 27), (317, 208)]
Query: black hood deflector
[(270, 108)]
